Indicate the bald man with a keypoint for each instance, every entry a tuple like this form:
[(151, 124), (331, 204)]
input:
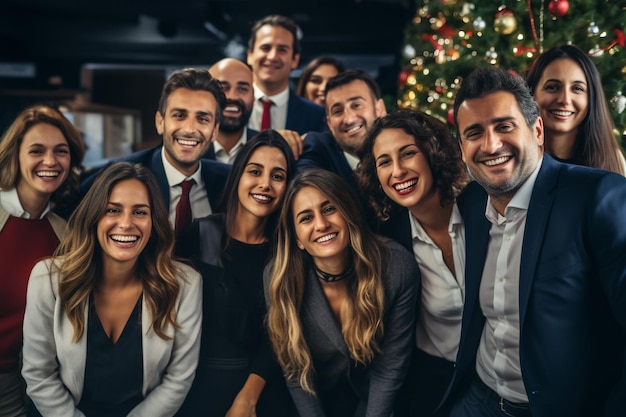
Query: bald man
[(236, 79)]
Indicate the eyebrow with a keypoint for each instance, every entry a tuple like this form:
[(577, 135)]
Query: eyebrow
[(116, 204), (399, 150), (323, 204), (256, 164), (493, 121), (351, 99)]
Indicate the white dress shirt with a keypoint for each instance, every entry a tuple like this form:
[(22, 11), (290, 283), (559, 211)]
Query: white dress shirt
[(10, 201), (228, 158), (441, 307), (498, 361), (200, 206), (278, 112)]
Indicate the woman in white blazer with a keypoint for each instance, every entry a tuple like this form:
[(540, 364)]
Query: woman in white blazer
[(112, 322)]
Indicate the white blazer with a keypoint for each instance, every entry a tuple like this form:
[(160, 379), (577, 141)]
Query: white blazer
[(54, 366)]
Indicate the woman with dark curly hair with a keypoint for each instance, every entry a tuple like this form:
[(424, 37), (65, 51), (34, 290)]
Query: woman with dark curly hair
[(411, 170)]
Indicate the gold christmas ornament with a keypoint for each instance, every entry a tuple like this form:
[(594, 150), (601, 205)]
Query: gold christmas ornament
[(505, 21)]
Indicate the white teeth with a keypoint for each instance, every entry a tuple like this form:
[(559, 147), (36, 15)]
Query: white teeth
[(232, 109), (48, 174), (124, 238), (405, 185), (562, 113), (261, 197), (497, 161), (326, 238), (187, 142), (354, 129)]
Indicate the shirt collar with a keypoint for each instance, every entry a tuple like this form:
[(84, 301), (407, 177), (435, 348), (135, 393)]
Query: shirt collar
[(418, 232), (10, 201), (218, 148), (520, 200), (278, 99), (175, 177), (353, 161)]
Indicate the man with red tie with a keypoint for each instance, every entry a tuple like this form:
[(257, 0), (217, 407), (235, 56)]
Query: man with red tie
[(188, 118), (273, 52)]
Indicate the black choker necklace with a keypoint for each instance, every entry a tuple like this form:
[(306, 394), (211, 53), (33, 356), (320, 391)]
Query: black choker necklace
[(326, 277)]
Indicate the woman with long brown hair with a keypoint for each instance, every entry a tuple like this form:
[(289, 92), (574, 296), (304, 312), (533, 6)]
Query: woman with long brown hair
[(112, 322), (341, 303)]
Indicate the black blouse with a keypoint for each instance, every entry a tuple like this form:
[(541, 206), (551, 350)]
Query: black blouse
[(113, 371)]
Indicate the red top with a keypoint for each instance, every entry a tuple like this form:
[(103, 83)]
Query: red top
[(23, 242)]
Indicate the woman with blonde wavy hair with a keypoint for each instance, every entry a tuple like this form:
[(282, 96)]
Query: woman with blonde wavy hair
[(341, 303), (39, 154), (112, 322)]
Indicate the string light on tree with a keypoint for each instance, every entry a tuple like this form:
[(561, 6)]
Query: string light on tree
[(593, 29)]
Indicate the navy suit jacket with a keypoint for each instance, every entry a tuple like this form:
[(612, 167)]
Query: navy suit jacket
[(210, 153), (320, 150), (304, 116), (213, 173), (572, 291)]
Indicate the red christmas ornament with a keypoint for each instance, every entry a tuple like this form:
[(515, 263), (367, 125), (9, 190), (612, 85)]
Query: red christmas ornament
[(451, 117), (558, 8), (402, 77)]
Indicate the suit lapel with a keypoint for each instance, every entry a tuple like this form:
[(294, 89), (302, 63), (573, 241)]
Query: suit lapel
[(293, 110), (317, 311), (536, 223), (158, 170)]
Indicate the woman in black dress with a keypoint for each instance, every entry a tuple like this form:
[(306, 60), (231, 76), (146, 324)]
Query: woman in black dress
[(237, 375)]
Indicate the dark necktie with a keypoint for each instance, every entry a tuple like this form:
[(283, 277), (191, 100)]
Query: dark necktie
[(266, 121), (183, 208)]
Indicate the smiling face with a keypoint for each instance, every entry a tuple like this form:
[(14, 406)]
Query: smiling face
[(124, 229), (321, 230), (236, 80), (497, 145), (403, 171), (272, 58), (315, 88), (563, 97), (188, 127), (44, 161), (351, 109), (262, 184)]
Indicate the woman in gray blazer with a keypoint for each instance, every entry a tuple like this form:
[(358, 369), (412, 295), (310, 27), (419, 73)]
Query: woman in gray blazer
[(112, 323), (341, 303)]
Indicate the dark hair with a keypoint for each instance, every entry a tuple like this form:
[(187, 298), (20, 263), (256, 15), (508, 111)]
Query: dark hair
[(12, 140), (434, 140), (348, 76), (194, 79), (488, 80), (82, 262), (280, 21), (229, 201), (312, 66), (595, 144)]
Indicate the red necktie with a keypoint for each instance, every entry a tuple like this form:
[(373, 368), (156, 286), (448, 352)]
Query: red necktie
[(183, 208), (266, 122)]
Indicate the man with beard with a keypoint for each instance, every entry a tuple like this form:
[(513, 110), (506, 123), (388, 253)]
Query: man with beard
[(545, 277), (353, 103), (188, 118), (236, 80)]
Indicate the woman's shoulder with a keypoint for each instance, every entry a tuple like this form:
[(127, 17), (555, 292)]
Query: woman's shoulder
[(187, 272)]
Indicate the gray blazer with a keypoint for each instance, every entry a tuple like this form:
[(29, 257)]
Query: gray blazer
[(54, 366), (378, 385)]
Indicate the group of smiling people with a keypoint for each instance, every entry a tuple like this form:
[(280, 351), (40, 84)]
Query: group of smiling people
[(323, 311)]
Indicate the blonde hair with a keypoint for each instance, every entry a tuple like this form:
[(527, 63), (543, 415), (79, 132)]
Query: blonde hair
[(362, 315), (78, 259)]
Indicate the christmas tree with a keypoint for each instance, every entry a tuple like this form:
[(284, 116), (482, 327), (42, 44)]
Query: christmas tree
[(447, 39)]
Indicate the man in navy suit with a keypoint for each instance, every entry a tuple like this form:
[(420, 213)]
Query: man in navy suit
[(545, 302), (273, 51), (188, 118), (353, 103)]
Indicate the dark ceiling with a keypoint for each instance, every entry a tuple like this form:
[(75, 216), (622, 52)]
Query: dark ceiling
[(188, 31)]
